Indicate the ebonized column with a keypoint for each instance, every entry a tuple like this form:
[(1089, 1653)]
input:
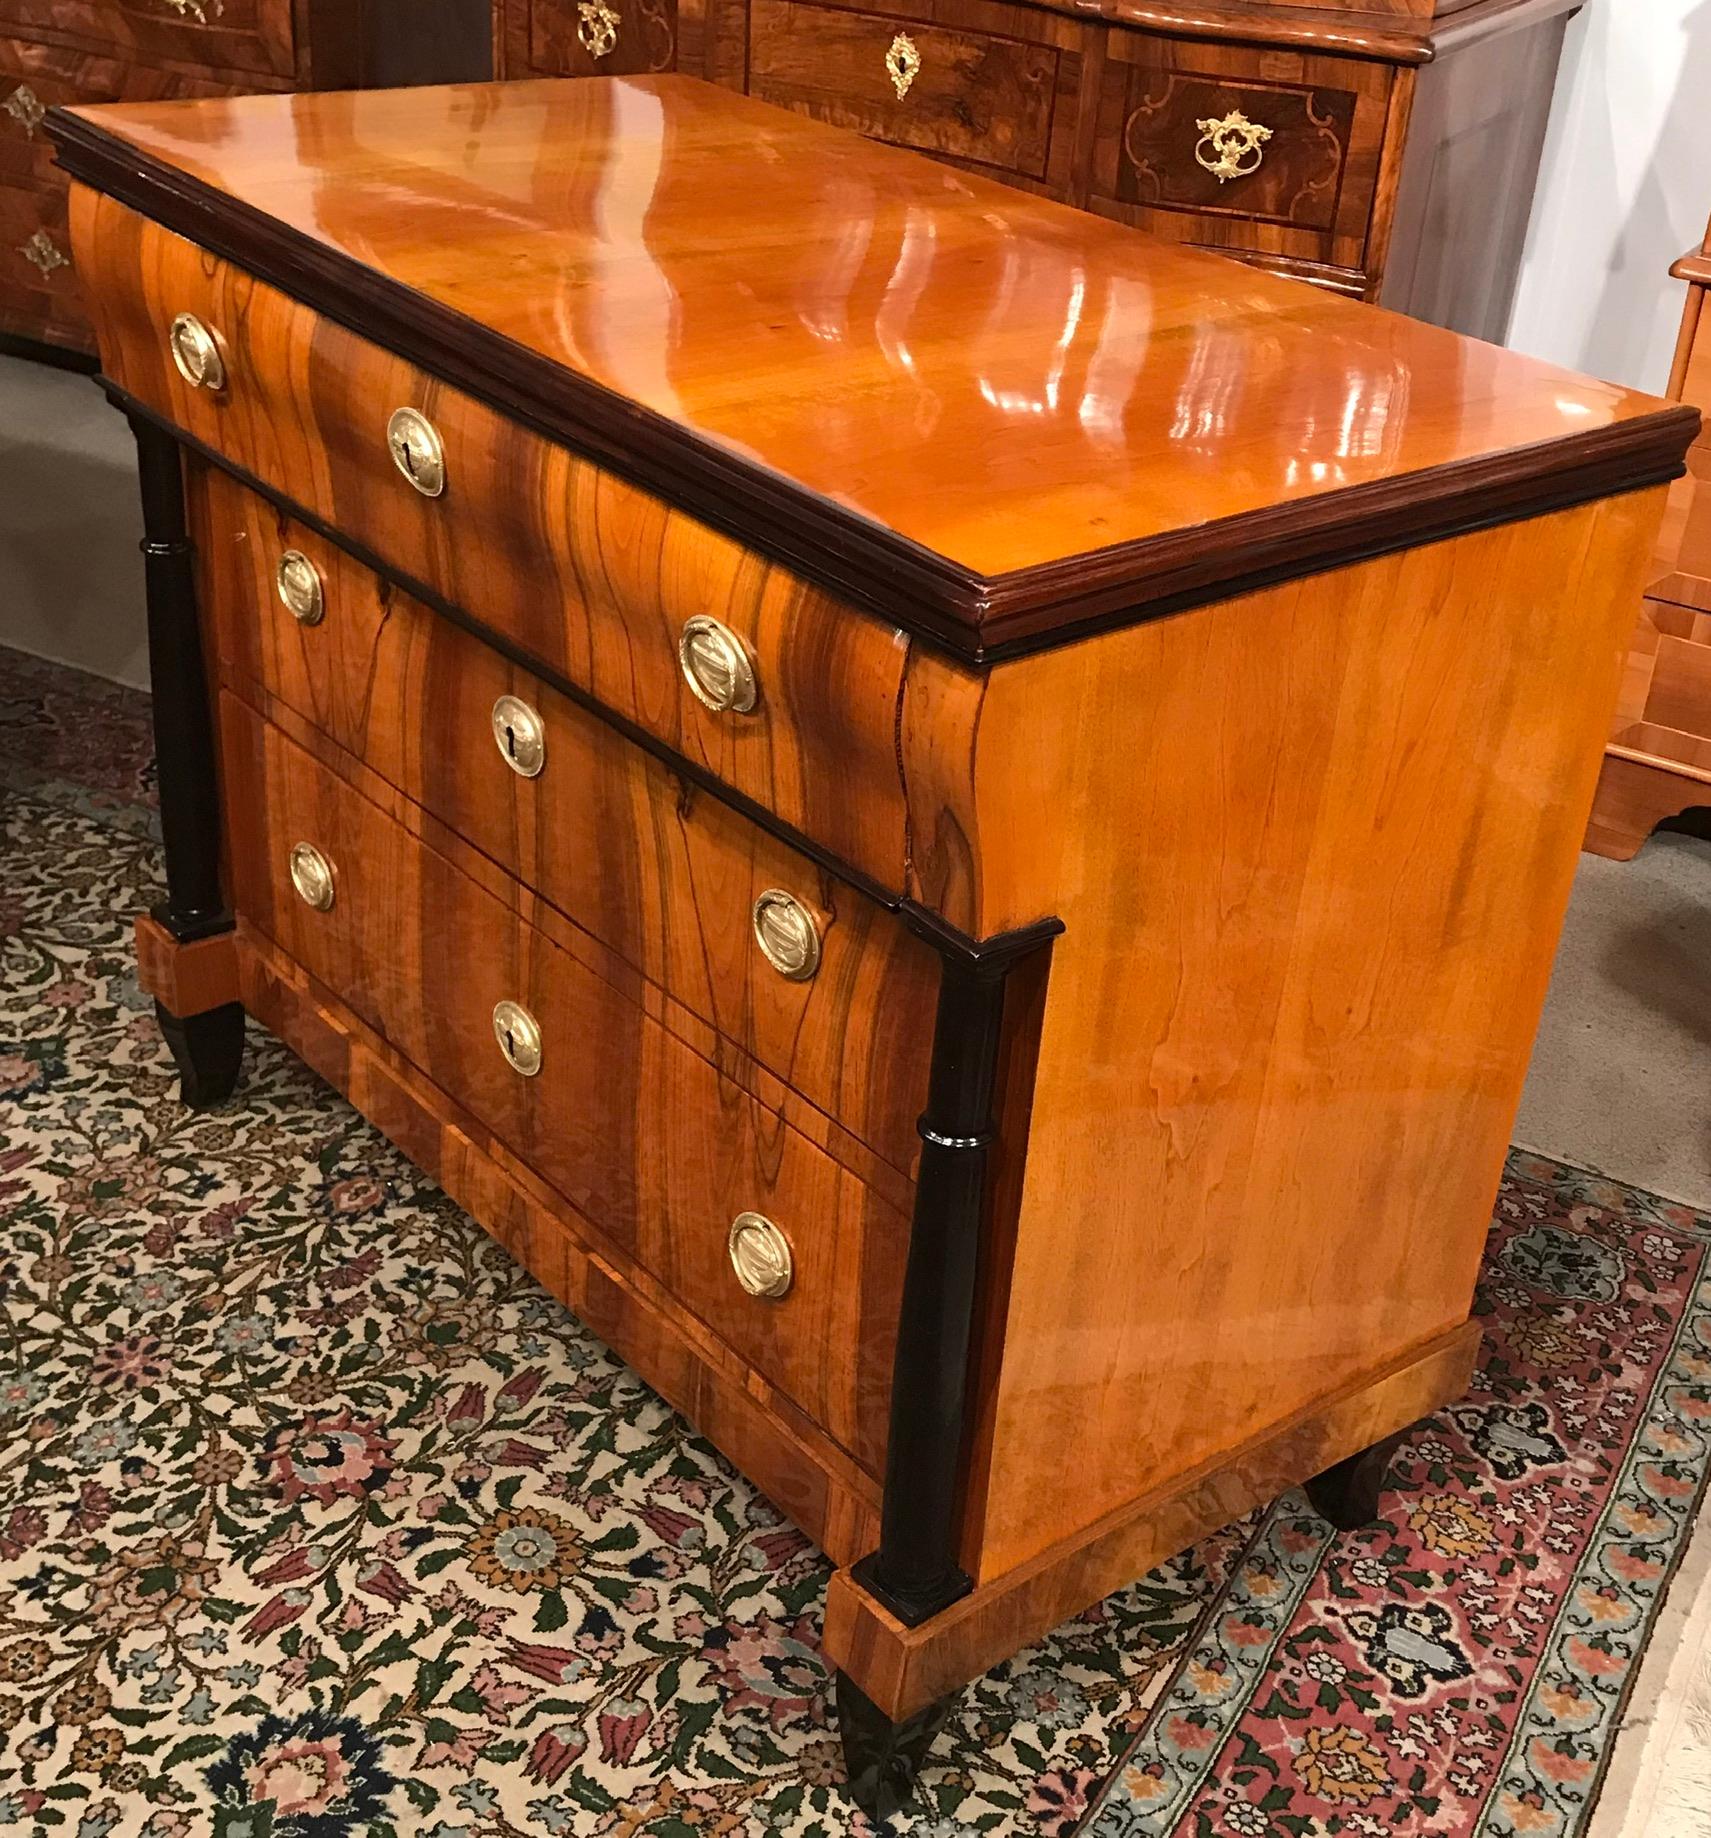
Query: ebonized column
[(916, 1572), (207, 1047)]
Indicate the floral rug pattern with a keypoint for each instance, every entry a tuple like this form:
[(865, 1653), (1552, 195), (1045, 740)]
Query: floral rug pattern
[(319, 1519)]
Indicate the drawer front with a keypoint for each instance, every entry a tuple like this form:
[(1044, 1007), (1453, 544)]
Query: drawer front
[(985, 85), (39, 293), (665, 875), (640, 1133), (1235, 147), (238, 35), (588, 38), (590, 576)]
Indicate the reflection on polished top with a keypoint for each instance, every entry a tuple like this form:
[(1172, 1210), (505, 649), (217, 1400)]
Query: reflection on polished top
[(1004, 382)]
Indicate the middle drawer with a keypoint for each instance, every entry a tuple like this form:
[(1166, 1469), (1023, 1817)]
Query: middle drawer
[(785, 1254), (689, 892)]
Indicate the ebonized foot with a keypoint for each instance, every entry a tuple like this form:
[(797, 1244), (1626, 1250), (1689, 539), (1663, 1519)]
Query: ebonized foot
[(208, 1049), (882, 1758), (1348, 1494)]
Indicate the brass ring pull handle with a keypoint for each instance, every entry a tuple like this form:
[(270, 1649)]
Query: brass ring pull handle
[(196, 353), (520, 736), (902, 64), (716, 666), (787, 935), (1232, 148), (301, 591), (313, 876), (596, 28), (26, 108), (760, 1255), (519, 1037), (417, 450)]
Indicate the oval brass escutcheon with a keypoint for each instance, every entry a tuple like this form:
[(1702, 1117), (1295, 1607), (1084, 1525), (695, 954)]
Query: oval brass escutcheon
[(300, 588), (520, 736), (519, 1037), (313, 876), (787, 934), (196, 353), (417, 450), (760, 1255), (716, 665)]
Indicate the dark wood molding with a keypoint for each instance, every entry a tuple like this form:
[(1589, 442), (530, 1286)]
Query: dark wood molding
[(977, 618), (915, 1573)]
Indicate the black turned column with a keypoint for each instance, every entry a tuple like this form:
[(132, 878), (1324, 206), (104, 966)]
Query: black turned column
[(915, 1572), (207, 1047)]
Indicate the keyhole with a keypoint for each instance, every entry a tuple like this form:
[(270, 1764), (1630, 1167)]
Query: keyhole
[(510, 1044), (409, 458), (511, 739)]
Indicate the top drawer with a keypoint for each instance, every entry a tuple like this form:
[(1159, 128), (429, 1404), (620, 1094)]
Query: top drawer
[(253, 35), (983, 84), (590, 577)]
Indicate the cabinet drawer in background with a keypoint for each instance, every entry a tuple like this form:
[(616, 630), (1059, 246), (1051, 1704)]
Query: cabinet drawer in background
[(649, 1141), (593, 577), (37, 282), (35, 78), (243, 35), (983, 84), (1306, 192), (655, 868), (566, 38)]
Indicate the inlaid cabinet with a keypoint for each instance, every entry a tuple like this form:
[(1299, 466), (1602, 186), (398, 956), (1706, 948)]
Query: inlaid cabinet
[(1387, 149)]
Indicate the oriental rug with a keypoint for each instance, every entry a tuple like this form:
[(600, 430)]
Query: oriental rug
[(319, 1519)]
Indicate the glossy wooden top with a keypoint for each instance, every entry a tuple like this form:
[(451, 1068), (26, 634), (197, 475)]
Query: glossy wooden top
[(933, 392)]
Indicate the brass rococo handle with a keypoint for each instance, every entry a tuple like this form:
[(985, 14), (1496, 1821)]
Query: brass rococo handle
[(26, 108), (597, 28), (199, 10), (1232, 148), (902, 64)]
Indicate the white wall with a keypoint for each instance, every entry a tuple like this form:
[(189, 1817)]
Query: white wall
[(1624, 189)]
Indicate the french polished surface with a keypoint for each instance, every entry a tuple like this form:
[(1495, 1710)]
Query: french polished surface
[(664, 697), (1061, 387)]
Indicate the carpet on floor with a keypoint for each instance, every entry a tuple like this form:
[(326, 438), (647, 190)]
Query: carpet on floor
[(320, 1519)]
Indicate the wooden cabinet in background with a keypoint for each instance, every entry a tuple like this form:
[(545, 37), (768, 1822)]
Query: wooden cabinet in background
[(1387, 149), (1658, 763), (70, 51)]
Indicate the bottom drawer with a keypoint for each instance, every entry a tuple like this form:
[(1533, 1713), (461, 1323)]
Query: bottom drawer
[(643, 1135)]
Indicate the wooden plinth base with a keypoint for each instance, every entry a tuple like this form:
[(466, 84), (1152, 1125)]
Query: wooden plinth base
[(1634, 796), (901, 1672), (906, 1669)]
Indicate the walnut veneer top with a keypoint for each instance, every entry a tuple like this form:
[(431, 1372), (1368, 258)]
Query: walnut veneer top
[(931, 391)]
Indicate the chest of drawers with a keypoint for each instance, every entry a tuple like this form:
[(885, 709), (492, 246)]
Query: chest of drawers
[(1383, 148), (939, 812)]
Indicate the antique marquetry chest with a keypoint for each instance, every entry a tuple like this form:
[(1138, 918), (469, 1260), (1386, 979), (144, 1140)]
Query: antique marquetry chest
[(950, 819), (1384, 148)]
